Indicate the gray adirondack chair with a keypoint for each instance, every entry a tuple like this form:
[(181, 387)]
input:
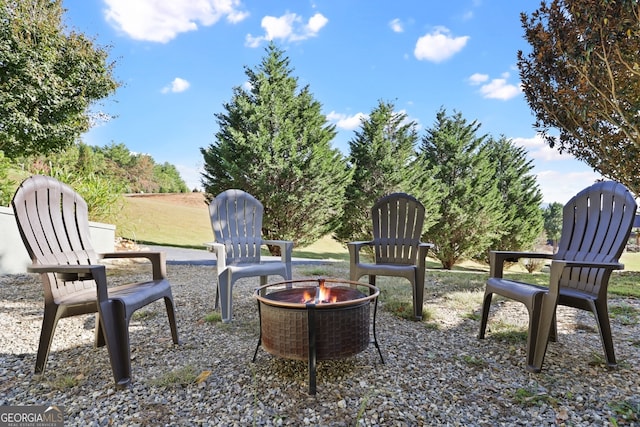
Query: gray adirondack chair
[(53, 223), (595, 227), (398, 220), (236, 219)]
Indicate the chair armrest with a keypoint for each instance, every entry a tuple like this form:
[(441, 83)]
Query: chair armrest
[(498, 258), (354, 250), (423, 250), (158, 260), (70, 273), (286, 247), (220, 252)]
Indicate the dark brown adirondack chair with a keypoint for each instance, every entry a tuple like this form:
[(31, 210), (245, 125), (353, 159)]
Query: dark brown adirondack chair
[(398, 220), (236, 219), (54, 226), (595, 227)]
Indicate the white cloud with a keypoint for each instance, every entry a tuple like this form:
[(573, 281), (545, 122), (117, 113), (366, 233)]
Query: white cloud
[(539, 149), (288, 27), (162, 20), (342, 121), (396, 26), (500, 89), (496, 88), (478, 78), (439, 45), (177, 85)]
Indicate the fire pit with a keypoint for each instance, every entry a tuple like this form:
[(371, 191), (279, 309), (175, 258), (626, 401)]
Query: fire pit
[(316, 319)]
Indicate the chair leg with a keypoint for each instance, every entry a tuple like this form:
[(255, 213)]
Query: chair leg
[(546, 320), (49, 322), (534, 324), (486, 304), (418, 295), (171, 314), (601, 312), (418, 299), (224, 288), (116, 331)]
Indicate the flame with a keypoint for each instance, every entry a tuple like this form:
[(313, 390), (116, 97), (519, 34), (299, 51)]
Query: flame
[(323, 295)]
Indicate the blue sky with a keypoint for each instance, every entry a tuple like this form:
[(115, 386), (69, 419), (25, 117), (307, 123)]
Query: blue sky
[(179, 60)]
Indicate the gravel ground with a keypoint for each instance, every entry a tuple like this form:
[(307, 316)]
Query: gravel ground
[(436, 372)]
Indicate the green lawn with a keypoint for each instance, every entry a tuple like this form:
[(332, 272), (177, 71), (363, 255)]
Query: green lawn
[(153, 220)]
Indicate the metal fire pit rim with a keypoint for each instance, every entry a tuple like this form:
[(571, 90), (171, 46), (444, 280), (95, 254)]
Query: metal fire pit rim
[(325, 305)]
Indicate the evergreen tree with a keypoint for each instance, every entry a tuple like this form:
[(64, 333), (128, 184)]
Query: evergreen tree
[(520, 194), (380, 155), (471, 207), (553, 222), (274, 142)]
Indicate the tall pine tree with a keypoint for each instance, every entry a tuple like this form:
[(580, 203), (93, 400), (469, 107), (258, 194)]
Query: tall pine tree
[(274, 143), (471, 206), (380, 154), (521, 196)]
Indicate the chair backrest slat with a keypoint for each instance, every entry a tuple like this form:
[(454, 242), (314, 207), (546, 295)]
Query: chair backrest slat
[(595, 227), (397, 227), (236, 220)]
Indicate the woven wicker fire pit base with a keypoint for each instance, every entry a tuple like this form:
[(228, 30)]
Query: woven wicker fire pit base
[(296, 323)]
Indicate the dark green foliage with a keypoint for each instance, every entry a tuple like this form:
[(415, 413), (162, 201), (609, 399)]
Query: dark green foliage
[(7, 186), (380, 157), (521, 197), (274, 143), (471, 207), (138, 173), (553, 222), (49, 78), (168, 179), (102, 194)]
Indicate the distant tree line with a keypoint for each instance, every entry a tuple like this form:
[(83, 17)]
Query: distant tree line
[(100, 174)]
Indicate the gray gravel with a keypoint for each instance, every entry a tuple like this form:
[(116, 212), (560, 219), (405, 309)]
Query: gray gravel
[(436, 372)]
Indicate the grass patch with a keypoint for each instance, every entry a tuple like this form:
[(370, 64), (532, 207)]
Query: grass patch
[(507, 332), (213, 317), (464, 300), (404, 310), (625, 411), (65, 382), (144, 314), (532, 397), (475, 361), (625, 314), (179, 377)]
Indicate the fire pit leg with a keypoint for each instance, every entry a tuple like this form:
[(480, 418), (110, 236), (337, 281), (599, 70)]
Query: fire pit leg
[(255, 353), (375, 338), (311, 325)]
